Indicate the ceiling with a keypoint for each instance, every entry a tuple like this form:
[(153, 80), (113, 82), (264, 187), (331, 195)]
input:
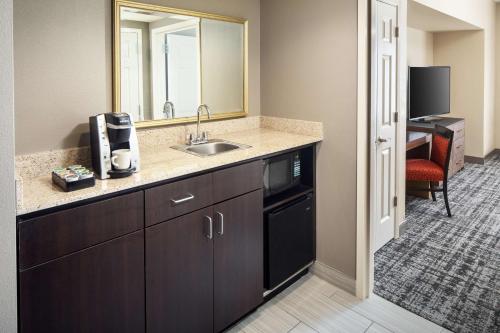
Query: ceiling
[(427, 19)]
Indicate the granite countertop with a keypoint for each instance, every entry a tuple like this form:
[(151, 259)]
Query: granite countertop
[(160, 163)]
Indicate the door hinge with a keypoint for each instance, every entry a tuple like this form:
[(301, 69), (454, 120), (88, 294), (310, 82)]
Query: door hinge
[(396, 117), (396, 32), (395, 201)]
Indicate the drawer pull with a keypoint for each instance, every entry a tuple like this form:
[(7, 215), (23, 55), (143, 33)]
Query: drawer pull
[(187, 198)]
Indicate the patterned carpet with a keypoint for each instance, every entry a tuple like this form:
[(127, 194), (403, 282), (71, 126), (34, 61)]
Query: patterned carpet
[(447, 270)]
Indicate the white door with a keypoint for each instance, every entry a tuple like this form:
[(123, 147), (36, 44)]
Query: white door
[(384, 129), (183, 74), (131, 73)]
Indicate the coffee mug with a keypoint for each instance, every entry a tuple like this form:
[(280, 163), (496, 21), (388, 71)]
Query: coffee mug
[(121, 159)]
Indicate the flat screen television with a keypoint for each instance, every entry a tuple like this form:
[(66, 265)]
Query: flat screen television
[(428, 91)]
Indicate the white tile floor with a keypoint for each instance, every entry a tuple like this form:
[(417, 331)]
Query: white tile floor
[(313, 305)]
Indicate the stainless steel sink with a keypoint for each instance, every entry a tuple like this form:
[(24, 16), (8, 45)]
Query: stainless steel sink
[(212, 147)]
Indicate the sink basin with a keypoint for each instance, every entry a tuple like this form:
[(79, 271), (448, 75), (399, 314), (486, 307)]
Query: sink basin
[(212, 147)]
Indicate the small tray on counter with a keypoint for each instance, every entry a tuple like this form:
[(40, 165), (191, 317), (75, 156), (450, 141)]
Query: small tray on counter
[(73, 178)]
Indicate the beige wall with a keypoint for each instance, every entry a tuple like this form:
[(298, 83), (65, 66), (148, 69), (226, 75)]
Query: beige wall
[(8, 297), (420, 46), (464, 52), (221, 53), (480, 13), (63, 65), (497, 77), (490, 131), (309, 65), (475, 12)]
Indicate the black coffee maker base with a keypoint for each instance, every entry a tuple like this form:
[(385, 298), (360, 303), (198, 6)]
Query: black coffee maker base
[(121, 173)]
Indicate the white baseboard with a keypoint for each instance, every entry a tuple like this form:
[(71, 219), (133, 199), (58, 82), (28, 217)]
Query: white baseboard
[(334, 276)]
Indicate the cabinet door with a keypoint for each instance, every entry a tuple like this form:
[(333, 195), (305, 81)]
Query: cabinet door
[(100, 289), (238, 258), (179, 275)]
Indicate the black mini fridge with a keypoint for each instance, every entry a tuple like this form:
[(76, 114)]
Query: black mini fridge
[(289, 240)]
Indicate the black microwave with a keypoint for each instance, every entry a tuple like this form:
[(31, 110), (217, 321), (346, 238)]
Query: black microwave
[(281, 173)]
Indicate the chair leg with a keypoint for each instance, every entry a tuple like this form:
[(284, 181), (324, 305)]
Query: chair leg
[(432, 192), (445, 194)]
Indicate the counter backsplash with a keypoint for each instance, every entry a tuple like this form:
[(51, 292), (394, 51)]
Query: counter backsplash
[(39, 164)]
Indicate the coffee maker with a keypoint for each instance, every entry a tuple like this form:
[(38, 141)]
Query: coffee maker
[(110, 132)]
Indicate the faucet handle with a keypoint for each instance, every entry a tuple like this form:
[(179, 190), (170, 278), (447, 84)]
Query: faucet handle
[(204, 136)]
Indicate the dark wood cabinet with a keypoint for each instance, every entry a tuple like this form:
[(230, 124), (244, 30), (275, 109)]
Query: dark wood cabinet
[(186, 256), (204, 270), (100, 289), (238, 258), (238, 180), (175, 199), (51, 236), (179, 274)]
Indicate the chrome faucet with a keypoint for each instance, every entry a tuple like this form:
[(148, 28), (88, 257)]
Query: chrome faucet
[(169, 110), (203, 138)]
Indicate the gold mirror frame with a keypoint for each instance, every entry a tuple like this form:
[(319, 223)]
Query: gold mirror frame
[(118, 4)]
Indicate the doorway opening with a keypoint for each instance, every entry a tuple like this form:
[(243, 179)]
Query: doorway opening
[(444, 269)]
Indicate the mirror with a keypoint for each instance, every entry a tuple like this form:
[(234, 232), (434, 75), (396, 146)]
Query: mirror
[(169, 61)]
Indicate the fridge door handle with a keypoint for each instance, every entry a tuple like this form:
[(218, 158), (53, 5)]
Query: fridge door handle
[(291, 204)]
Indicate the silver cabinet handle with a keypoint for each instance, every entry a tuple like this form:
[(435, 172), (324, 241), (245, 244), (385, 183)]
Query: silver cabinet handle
[(210, 227), (221, 225), (187, 198)]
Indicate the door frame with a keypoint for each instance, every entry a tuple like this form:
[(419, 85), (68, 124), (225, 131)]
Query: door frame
[(364, 231), (141, 68)]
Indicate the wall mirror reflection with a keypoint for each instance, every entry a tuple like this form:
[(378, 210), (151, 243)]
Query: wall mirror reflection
[(168, 61)]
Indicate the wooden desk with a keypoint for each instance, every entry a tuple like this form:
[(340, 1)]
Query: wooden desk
[(457, 125), (418, 145), (417, 139)]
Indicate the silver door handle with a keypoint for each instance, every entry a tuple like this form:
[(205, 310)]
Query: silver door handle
[(187, 198), (221, 226), (210, 227), (382, 140)]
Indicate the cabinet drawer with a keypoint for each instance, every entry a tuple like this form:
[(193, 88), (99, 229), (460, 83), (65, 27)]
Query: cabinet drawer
[(175, 199), (235, 181), (51, 236), (458, 149), (458, 164), (459, 130), (459, 145)]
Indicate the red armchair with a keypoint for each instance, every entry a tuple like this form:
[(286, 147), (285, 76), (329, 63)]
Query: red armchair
[(435, 169)]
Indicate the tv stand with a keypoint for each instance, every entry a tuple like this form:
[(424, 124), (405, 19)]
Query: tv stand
[(457, 125), (427, 120)]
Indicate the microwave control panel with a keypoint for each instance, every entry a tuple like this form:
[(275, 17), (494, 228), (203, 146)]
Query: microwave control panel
[(296, 166)]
